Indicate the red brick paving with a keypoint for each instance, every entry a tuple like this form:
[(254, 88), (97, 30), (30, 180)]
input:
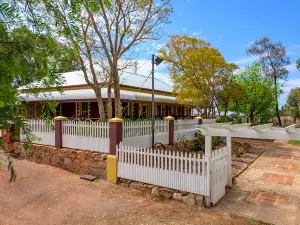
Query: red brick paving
[(282, 166), (286, 156), (267, 198), (279, 179)]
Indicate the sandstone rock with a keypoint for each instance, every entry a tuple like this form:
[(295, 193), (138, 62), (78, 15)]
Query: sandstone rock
[(155, 191), (165, 194), (148, 186), (189, 199), (124, 184), (207, 202), (134, 185), (167, 190), (200, 200), (177, 196)]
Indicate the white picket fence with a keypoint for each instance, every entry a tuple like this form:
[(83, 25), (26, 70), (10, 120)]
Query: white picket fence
[(138, 133), (176, 170), (218, 174), (42, 130), (86, 135), (181, 171)]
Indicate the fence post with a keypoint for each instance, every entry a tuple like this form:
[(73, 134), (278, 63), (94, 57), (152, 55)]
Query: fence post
[(58, 130), (115, 137), (229, 176), (200, 119), (171, 129), (115, 134)]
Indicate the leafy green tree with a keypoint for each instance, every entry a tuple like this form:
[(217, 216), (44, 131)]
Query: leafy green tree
[(293, 102), (26, 58), (258, 93), (274, 59)]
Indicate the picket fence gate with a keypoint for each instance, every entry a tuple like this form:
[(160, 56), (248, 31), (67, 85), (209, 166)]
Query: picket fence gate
[(218, 168), (181, 171)]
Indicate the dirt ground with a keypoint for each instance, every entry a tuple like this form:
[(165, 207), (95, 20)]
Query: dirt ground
[(46, 195)]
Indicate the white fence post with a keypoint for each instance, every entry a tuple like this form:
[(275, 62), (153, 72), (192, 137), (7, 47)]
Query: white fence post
[(229, 175)]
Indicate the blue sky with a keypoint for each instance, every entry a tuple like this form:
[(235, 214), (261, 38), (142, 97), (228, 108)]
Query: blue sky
[(233, 25)]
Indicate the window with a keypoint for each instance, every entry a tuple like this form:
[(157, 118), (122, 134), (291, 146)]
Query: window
[(85, 110), (144, 111), (158, 110), (125, 109)]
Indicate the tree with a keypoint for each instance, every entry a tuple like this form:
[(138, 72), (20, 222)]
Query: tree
[(274, 59), (258, 93), (230, 92), (103, 33), (198, 71), (293, 102), (26, 58)]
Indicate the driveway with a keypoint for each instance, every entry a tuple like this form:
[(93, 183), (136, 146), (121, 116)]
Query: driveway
[(269, 190), (47, 195)]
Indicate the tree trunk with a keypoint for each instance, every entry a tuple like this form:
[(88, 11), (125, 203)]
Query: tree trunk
[(116, 82), (276, 99), (251, 116), (225, 109), (109, 101), (100, 104), (219, 113)]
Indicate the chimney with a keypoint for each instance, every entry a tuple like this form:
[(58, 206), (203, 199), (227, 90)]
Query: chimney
[(135, 67)]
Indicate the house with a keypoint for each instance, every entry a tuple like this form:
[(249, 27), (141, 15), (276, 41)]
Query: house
[(78, 100)]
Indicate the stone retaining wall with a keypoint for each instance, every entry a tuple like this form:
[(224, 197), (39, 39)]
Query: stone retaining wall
[(188, 198), (77, 161)]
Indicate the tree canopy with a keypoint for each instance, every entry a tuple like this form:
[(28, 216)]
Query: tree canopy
[(258, 93), (198, 71), (26, 58), (274, 60), (293, 102)]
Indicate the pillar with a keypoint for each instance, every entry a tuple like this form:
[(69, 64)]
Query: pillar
[(112, 169), (115, 134), (171, 129), (200, 119), (229, 175), (58, 130)]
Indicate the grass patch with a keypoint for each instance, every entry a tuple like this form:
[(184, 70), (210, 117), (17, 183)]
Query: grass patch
[(294, 142)]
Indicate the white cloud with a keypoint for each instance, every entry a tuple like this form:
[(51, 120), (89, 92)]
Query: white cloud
[(291, 53), (292, 67), (244, 61), (249, 44)]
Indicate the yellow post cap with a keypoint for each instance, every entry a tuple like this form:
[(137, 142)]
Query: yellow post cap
[(60, 118), (115, 120), (169, 118), (198, 118)]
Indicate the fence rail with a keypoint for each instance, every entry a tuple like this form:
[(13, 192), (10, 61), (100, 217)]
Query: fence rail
[(171, 169)]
